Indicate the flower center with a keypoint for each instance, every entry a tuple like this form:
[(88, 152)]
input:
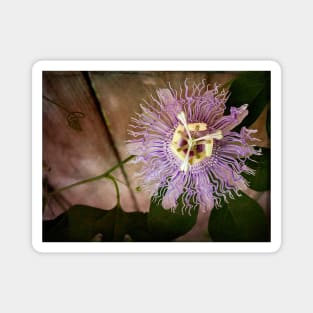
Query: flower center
[(188, 144)]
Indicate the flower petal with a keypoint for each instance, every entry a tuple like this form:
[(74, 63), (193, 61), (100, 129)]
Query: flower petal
[(204, 193), (165, 96), (175, 189), (227, 123)]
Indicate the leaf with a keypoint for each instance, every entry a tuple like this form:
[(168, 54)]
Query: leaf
[(81, 220), (82, 223), (119, 224), (227, 84), (106, 224), (252, 88), (165, 225), (240, 220), (137, 227), (261, 181)]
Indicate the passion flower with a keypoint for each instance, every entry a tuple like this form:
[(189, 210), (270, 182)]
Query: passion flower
[(187, 146)]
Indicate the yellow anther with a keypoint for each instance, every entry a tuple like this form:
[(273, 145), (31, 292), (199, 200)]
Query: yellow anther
[(208, 149), (197, 127), (183, 145)]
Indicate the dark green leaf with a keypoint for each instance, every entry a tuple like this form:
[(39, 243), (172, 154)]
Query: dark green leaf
[(240, 220), (261, 181), (120, 225), (165, 225), (253, 88), (137, 227), (82, 223)]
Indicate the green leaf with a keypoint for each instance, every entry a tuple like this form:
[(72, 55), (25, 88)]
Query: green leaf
[(137, 227), (165, 225), (81, 219), (253, 88), (240, 220), (261, 181), (227, 84), (81, 223), (120, 224), (268, 123)]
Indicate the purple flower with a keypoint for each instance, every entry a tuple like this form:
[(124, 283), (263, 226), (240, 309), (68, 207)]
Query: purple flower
[(185, 143)]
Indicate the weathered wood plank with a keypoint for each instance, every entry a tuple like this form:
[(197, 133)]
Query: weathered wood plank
[(76, 149)]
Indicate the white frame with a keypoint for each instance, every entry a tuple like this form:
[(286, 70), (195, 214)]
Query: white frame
[(168, 65)]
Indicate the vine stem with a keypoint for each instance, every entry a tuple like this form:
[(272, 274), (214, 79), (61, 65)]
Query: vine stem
[(88, 180), (116, 189)]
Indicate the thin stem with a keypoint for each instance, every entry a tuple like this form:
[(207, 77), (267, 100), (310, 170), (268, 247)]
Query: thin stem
[(118, 165), (77, 184), (88, 180), (116, 189), (119, 180)]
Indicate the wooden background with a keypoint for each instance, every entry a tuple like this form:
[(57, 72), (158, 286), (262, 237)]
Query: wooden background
[(85, 121)]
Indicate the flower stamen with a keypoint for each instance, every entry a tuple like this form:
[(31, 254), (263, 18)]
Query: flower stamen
[(191, 149), (182, 118), (217, 135)]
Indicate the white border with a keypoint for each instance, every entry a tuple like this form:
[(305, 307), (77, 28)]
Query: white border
[(170, 65)]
